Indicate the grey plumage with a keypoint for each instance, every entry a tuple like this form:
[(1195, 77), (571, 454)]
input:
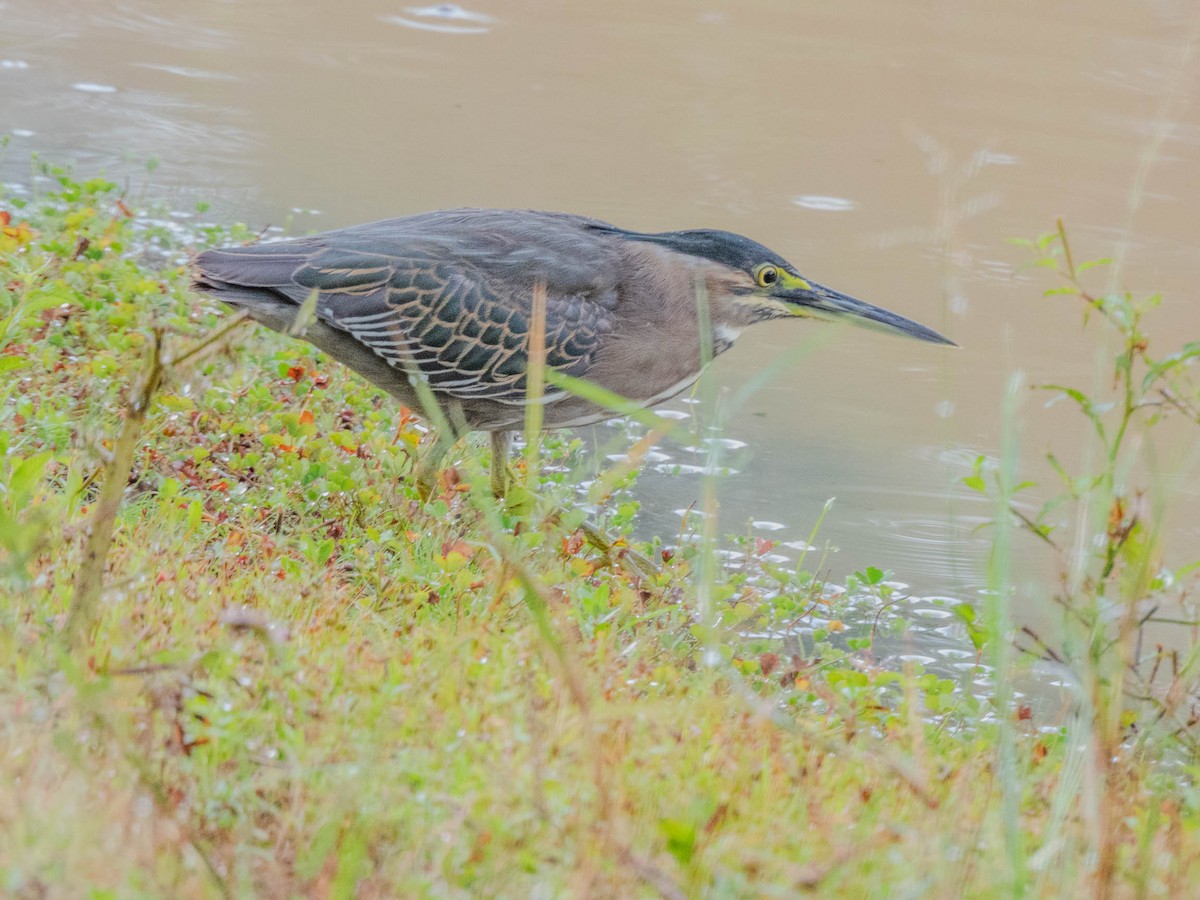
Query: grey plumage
[(445, 297)]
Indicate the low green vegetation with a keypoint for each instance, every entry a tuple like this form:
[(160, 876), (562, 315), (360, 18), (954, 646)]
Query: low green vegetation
[(240, 657)]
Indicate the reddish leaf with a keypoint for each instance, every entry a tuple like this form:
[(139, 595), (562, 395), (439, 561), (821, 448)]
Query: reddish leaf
[(572, 544), (459, 547)]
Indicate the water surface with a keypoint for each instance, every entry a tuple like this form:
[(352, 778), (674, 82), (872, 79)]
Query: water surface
[(888, 149)]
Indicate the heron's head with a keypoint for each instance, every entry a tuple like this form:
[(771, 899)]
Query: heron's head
[(748, 282)]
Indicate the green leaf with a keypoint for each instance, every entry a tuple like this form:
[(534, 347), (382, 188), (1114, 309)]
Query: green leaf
[(1187, 353), (681, 838), (24, 479), (312, 858), (1083, 400), (195, 514), (352, 865), (970, 618)]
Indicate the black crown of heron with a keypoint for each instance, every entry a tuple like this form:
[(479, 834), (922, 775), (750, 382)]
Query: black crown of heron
[(446, 298)]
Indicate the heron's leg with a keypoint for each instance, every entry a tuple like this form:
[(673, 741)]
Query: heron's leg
[(628, 558), (499, 462)]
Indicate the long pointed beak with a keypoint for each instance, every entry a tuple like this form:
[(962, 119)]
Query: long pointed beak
[(820, 302)]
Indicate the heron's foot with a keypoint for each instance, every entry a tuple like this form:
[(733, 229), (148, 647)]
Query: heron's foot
[(629, 559), (502, 479)]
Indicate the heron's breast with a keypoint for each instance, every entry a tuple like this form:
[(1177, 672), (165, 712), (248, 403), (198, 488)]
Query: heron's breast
[(648, 368)]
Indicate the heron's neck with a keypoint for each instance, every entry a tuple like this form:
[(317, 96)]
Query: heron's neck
[(728, 316), (723, 336)]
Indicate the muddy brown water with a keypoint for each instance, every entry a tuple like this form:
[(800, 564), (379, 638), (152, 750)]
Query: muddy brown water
[(889, 150)]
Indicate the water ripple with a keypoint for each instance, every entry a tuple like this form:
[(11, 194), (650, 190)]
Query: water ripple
[(184, 72), (444, 18), (824, 203)]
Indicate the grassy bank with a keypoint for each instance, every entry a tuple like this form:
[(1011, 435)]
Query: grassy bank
[(288, 676)]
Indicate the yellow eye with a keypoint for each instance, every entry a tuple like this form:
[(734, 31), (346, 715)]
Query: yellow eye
[(766, 275)]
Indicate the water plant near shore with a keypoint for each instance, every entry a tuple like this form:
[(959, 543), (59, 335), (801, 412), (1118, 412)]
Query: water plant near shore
[(1137, 696)]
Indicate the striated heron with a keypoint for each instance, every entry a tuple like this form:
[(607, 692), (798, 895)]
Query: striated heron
[(446, 298)]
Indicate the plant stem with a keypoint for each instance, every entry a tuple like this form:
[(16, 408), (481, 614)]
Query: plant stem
[(90, 579)]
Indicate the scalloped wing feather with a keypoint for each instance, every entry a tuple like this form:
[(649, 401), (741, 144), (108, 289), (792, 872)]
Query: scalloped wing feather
[(447, 296)]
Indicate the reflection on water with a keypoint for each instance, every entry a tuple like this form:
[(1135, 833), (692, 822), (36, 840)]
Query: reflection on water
[(890, 151), (828, 204), (445, 18)]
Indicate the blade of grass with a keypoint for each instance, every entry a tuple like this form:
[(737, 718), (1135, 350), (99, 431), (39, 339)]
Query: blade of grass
[(535, 383), (998, 619)]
